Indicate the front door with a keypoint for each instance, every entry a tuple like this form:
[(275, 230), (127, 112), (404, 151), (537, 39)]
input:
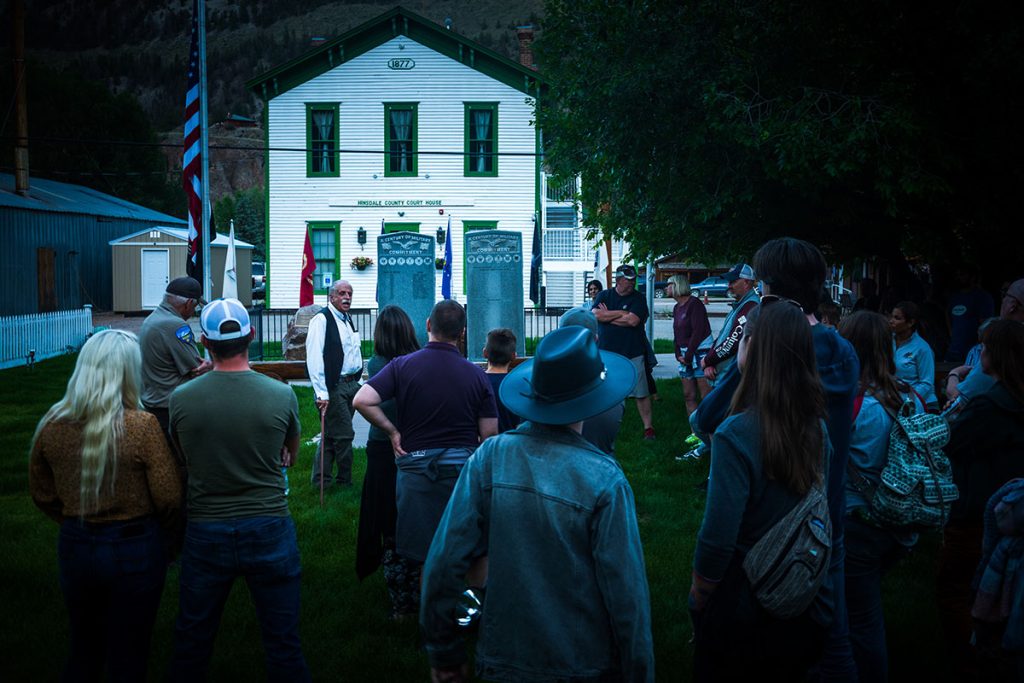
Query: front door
[(154, 276)]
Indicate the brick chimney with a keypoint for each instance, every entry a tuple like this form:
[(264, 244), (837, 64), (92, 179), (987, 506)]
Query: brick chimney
[(525, 36)]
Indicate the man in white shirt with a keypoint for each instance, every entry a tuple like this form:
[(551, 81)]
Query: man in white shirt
[(335, 366)]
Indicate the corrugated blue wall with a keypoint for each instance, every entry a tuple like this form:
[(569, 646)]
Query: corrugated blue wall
[(82, 261)]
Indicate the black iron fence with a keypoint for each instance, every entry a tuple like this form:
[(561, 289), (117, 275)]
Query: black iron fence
[(271, 325)]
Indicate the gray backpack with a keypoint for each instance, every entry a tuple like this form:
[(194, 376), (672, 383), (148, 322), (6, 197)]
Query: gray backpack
[(787, 566)]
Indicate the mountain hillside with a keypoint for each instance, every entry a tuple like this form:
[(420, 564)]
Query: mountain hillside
[(141, 46)]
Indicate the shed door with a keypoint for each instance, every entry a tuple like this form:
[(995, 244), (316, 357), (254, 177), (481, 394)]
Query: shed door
[(154, 276), (46, 282)]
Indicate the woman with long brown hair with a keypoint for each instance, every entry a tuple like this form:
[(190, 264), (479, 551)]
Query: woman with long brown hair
[(393, 336), (871, 550), (102, 469), (768, 454)]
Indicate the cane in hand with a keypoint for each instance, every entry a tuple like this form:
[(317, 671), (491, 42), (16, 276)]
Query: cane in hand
[(323, 444)]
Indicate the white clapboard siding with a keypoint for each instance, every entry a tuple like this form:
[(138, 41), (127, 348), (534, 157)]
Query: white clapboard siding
[(361, 86), (565, 289), (47, 334)]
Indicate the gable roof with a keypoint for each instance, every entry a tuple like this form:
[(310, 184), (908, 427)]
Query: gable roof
[(51, 195), (182, 234), (396, 22)]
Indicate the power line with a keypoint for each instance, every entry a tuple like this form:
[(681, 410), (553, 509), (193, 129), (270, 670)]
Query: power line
[(34, 170), (261, 148)]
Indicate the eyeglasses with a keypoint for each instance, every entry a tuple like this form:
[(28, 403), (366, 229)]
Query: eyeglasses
[(768, 299)]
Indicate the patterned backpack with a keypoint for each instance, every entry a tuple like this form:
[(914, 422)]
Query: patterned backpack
[(916, 490)]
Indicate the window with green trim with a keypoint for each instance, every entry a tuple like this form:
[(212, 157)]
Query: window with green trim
[(467, 227), (399, 227), (400, 134), (481, 138), (322, 140), (323, 237)]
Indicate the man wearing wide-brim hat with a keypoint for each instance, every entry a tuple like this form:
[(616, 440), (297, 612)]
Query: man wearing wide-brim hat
[(567, 594)]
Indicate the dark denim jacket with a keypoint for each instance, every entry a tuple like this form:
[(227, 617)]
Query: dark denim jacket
[(567, 596)]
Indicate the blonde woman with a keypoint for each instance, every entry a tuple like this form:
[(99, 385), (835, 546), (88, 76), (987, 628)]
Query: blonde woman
[(691, 331), (101, 468)]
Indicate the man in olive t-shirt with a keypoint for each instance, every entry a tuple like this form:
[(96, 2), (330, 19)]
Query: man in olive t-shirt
[(236, 429)]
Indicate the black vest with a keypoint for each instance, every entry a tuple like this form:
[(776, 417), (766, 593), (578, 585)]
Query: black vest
[(334, 353)]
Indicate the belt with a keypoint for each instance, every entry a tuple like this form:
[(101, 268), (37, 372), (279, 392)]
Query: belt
[(129, 528), (353, 377)]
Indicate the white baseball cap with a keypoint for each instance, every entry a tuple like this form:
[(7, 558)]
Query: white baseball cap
[(220, 311)]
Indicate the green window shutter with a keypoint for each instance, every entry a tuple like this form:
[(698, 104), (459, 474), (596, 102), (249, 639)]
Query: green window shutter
[(322, 139), (324, 237), (481, 139), (401, 135), (468, 226), (399, 227)]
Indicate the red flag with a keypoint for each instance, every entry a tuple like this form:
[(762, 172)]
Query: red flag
[(308, 266)]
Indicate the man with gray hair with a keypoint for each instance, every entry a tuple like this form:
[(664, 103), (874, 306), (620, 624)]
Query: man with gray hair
[(335, 364), (169, 353)]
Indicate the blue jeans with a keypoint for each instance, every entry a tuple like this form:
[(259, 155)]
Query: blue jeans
[(837, 664), (112, 576), (262, 550), (870, 553)]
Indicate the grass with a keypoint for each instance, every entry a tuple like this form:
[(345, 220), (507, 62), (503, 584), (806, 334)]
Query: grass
[(344, 631)]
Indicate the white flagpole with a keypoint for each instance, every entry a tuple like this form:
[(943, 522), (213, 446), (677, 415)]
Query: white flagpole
[(229, 289), (204, 143)]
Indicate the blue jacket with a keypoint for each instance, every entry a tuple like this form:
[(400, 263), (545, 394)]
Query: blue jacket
[(915, 365), (839, 370), (869, 451), (567, 595)]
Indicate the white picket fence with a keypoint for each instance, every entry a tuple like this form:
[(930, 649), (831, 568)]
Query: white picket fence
[(35, 337)]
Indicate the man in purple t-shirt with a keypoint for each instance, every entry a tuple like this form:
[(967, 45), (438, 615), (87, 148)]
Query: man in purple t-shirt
[(445, 407)]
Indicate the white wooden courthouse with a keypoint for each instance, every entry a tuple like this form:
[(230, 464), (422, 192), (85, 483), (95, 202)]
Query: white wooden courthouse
[(401, 124)]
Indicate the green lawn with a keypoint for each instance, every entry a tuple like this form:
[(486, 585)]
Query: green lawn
[(344, 632)]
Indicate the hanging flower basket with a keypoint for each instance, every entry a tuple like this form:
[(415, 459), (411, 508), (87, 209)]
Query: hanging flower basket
[(439, 263), (362, 262)]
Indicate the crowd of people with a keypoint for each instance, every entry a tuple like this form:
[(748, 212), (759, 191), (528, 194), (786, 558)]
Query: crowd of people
[(501, 483)]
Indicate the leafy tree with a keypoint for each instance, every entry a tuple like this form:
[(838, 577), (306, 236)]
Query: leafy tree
[(72, 126), (246, 208), (871, 128)]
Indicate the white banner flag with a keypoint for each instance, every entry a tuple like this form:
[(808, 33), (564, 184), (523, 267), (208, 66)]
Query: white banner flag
[(230, 275)]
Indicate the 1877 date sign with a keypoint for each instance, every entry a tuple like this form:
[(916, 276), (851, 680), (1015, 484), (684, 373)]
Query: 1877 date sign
[(401, 64)]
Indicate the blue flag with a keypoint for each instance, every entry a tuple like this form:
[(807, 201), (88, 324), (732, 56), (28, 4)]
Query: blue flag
[(446, 275), (536, 262)]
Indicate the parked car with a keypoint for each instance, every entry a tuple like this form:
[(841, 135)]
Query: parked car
[(659, 287), (259, 280), (716, 285)]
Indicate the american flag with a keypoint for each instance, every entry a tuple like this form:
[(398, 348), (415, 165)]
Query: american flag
[(192, 159)]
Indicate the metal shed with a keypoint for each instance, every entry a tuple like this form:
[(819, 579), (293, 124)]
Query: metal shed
[(55, 254), (145, 261)]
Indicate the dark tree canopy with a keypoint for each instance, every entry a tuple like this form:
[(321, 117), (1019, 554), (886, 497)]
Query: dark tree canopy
[(871, 128), (81, 133)]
